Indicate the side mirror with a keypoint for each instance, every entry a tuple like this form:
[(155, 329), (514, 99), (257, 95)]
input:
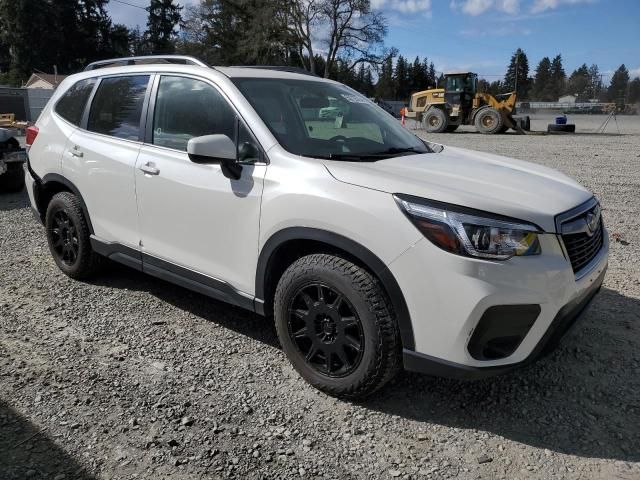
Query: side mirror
[(215, 149)]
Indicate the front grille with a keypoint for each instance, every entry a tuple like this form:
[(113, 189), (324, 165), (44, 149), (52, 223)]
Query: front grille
[(582, 247)]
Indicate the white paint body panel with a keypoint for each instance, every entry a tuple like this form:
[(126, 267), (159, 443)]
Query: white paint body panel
[(193, 216)]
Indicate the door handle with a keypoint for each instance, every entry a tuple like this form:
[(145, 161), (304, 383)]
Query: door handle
[(150, 169), (76, 152)]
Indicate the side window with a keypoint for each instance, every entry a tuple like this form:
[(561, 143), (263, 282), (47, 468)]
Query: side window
[(71, 105), (117, 107), (187, 108)]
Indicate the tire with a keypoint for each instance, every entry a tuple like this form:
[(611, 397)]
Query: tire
[(527, 124), (503, 129), (566, 128), (68, 237), (488, 121), (12, 180), (435, 120), (452, 128), (311, 330)]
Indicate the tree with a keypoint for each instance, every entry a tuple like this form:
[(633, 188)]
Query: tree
[(384, 88), (634, 91), (617, 90), (595, 83), (517, 76), (25, 32), (558, 77), (542, 86), (164, 17), (579, 83), (355, 32), (400, 77)]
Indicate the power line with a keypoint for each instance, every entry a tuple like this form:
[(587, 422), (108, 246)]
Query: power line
[(130, 4)]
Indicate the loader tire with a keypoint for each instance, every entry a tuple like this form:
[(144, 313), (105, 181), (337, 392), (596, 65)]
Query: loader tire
[(489, 121), (435, 120)]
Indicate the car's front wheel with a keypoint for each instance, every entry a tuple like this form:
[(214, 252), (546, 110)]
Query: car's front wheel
[(336, 325), (68, 236)]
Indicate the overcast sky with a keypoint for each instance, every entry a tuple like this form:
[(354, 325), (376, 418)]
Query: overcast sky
[(481, 35)]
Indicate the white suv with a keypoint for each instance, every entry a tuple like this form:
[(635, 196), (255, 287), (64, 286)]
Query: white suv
[(370, 248)]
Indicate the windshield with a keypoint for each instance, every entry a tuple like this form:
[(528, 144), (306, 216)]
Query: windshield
[(327, 120)]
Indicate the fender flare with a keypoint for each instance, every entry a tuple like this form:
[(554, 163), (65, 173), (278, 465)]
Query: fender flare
[(354, 249), (50, 178)]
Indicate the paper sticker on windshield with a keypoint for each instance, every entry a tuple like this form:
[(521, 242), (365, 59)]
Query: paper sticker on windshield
[(354, 98)]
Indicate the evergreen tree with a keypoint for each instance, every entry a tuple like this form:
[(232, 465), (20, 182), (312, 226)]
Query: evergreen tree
[(400, 79), (25, 31), (634, 91), (517, 76), (558, 77), (542, 87), (617, 90), (384, 88), (595, 82), (579, 83), (164, 17)]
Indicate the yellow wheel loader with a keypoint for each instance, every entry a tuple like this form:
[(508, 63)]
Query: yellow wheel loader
[(459, 103)]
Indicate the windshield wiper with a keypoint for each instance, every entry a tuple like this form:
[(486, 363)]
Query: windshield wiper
[(348, 157), (397, 150), (365, 157)]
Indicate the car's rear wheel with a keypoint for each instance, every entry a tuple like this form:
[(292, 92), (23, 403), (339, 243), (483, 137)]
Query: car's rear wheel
[(337, 326), (68, 236)]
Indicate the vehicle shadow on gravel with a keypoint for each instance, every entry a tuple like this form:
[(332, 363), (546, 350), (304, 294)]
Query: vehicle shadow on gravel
[(27, 452), (581, 400), (228, 316), (13, 201)]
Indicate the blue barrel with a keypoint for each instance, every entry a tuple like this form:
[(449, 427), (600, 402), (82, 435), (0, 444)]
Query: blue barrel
[(561, 120)]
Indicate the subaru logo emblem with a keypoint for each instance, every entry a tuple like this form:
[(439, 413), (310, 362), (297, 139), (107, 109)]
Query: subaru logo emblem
[(592, 219)]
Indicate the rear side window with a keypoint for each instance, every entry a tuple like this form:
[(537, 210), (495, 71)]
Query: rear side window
[(187, 108), (117, 107), (71, 105)]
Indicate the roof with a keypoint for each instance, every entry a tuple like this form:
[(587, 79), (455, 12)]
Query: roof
[(50, 78)]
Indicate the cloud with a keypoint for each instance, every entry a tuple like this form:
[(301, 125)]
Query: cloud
[(634, 72), (478, 7), (543, 5), (403, 6)]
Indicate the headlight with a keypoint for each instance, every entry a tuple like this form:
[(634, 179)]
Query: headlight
[(466, 232)]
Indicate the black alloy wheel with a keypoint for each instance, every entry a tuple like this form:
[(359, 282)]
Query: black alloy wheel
[(326, 329), (65, 243)]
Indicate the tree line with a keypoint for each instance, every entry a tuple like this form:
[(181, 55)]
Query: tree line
[(550, 82), (338, 39)]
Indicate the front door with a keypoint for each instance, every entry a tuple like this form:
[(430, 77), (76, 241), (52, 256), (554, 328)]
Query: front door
[(192, 216)]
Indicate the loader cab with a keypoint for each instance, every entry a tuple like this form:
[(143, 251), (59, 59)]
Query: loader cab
[(460, 90)]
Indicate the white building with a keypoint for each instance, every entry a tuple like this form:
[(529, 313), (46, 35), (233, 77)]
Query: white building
[(46, 81), (567, 99)]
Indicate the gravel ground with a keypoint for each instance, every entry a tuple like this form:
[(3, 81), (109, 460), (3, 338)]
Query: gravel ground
[(130, 377)]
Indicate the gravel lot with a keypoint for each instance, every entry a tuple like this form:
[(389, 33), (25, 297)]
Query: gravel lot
[(130, 377)]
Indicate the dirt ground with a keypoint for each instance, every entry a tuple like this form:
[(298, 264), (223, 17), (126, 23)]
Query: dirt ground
[(129, 377)]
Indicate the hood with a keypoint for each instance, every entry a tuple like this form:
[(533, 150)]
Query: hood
[(483, 181)]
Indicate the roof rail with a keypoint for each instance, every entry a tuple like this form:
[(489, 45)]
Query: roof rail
[(146, 60), (299, 70)]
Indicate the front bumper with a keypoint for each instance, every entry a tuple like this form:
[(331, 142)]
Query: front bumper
[(448, 295), (561, 324)]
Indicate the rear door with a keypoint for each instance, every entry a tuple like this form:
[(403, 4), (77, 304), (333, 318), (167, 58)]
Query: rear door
[(101, 155)]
